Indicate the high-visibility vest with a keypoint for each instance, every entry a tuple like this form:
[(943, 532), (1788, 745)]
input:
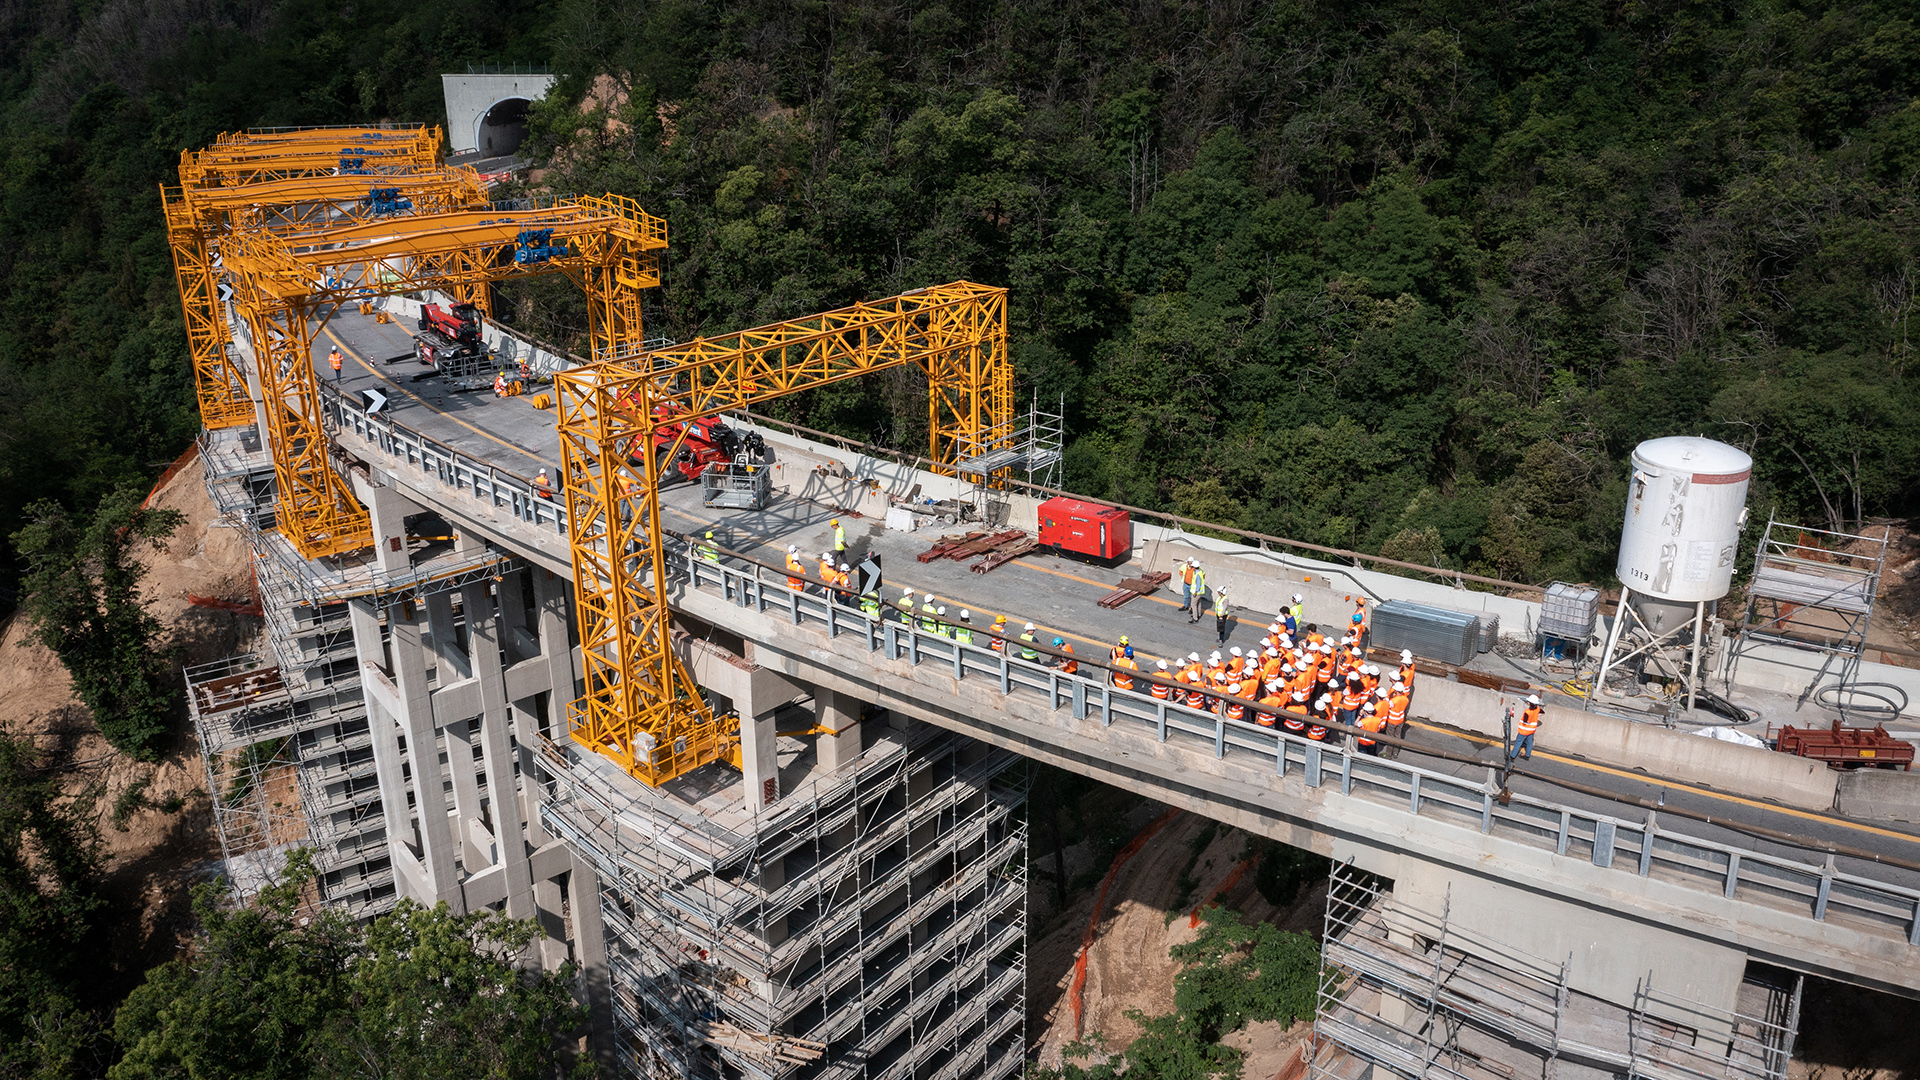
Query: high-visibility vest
[(1196, 698), (1160, 690), (1236, 709), (827, 572), (707, 551), (1353, 696), (1026, 647), (1529, 720), (839, 538), (1297, 612), (929, 618), (1199, 581), (1124, 681), (1406, 675), (1274, 704), (1221, 607), (1371, 725), (1397, 709), (1317, 732), (905, 604), (963, 635), (1070, 666), (996, 642), (794, 570), (870, 605), (1293, 717)]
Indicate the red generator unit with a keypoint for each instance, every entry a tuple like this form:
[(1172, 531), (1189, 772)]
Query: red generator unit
[(1104, 533)]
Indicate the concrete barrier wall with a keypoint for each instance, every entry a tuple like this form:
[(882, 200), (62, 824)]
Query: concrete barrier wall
[(1657, 751), (1880, 795)]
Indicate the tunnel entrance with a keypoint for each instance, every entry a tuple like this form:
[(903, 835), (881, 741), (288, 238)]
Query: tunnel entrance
[(503, 127)]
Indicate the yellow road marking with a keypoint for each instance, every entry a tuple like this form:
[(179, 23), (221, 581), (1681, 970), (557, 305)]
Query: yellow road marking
[(390, 381), (1675, 785)]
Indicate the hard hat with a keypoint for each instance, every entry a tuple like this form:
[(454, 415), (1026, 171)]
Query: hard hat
[(999, 620), (1299, 695), (1533, 699), (940, 611), (1059, 641), (1275, 627), (906, 592), (1123, 639), (1030, 626), (1406, 656), (1286, 668), (1129, 652), (1298, 599), (543, 472), (1271, 651), (965, 615), (1215, 655), (1236, 650), (1163, 665), (1324, 699), (1193, 562), (1398, 685), (709, 534), (1357, 617), (795, 548), (844, 566), (835, 521)]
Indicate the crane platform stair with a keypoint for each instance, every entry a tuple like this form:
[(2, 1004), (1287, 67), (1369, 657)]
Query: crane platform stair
[(1135, 587)]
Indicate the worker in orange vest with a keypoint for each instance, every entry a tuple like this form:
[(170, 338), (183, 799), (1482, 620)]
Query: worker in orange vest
[(333, 357), (1294, 718), (1359, 620), (1523, 731), (1370, 722), (795, 571), (1406, 672), (1271, 705), (1067, 664), (997, 637), (1352, 696), (1122, 648), (1123, 669), (542, 486), (1162, 690)]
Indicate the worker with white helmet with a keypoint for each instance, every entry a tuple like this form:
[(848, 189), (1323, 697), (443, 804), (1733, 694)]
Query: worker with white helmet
[(1027, 651), (1524, 729), (796, 571), (1162, 690), (905, 604)]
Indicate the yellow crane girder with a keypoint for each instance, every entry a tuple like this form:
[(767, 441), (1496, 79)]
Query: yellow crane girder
[(282, 282), (232, 179), (641, 707)]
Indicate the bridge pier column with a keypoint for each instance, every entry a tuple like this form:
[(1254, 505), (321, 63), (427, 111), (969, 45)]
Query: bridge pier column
[(429, 779), (452, 665), (503, 802), (839, 714), (387, 510), (382, 727)]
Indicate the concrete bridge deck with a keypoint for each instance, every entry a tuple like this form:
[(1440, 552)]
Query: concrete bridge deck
[(1850, 917)]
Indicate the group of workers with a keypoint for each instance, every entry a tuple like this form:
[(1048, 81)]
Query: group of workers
[(1299, 678)]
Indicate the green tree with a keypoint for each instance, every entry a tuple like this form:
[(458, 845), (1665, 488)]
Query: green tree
[(83, 599), (272, 992), (50, 918)]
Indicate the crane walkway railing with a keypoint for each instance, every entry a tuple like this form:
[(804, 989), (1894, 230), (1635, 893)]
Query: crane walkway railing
[(1643, 847)]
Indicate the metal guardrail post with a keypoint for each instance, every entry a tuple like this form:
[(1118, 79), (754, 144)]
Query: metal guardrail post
[(1219, 737), (1346, 771), (1733, 873), (1566, 832), (959, 661), (1647, 834), (1413, 796), (1077, 695), (1826, 891), (1313, 764), (1602, 843), (1006, 676), (1160, 720)]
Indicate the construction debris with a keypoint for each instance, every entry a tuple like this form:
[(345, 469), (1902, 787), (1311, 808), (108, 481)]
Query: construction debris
[(1134, 587), (1005, 553), (775, 1047), (957, 546)]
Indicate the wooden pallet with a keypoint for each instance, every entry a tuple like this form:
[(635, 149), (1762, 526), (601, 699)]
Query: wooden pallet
[(1132, 588)]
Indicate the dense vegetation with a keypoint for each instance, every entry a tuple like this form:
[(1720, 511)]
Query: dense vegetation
[(1412, 277)]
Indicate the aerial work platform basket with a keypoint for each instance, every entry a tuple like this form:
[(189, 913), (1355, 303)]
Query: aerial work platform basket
[(736, 485)]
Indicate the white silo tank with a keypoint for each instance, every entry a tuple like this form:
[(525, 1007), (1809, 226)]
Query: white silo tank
[(1686, 502)]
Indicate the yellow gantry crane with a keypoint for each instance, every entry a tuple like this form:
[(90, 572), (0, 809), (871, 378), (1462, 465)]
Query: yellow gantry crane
[(281, 283), (641, 707), (304, 175), (291, 267)]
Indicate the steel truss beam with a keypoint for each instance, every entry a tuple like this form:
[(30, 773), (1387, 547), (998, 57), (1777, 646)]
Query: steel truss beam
[(641, 707), (282, 282)]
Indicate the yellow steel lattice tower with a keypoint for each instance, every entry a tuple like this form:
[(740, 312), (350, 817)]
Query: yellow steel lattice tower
[(641, 707), (283, 282), (254, 174)]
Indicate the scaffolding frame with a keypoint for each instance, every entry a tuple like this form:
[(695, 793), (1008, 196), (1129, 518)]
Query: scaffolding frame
[(1802, 588), (1414, 996), (871, 924)]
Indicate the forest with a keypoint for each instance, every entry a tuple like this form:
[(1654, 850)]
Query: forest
[(1408, 277), (1412, 278)]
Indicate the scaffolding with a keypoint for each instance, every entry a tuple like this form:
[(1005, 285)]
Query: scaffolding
[(871, 924), (1813, 590), (1410, 994)]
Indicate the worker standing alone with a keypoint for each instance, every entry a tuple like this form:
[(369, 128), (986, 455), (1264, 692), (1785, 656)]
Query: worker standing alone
[(839, 537), (1223, 614), (333, 357), (1524, 730)]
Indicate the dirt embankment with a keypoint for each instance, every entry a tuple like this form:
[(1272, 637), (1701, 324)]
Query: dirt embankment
[(1128, 967), (154, 818)]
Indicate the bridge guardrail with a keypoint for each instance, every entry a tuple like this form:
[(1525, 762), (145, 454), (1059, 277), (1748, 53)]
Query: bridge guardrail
[(1645, 848), (495, 486)]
